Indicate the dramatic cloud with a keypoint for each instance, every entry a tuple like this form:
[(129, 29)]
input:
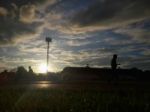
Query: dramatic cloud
[(27, 13), (109, 12), (18, 21), (3, 11), (82, 31), (82, 16), (138, 31), (11, 30)]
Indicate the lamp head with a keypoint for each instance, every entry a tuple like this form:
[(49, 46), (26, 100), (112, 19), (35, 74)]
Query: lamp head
[(48, 39)]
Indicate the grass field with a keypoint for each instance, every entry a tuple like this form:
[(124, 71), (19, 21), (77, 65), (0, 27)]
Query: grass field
[(65, 100)]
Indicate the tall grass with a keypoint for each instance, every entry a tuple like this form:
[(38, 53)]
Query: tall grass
[(63, 100)]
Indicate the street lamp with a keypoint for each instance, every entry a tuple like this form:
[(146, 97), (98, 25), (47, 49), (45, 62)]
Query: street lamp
[(48, 40)]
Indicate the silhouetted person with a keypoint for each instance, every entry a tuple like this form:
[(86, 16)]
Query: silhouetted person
[(87, 66), (114, 62), (114, 67), (30, 70)]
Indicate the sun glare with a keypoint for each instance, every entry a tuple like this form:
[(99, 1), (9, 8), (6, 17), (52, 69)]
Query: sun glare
[(42, 68)]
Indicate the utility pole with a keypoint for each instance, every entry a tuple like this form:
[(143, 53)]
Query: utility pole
[(48, 40)]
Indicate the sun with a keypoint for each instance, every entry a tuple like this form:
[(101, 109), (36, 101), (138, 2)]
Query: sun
[(42, 68)]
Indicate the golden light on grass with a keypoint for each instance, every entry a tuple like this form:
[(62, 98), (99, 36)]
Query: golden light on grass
[(43, 84)]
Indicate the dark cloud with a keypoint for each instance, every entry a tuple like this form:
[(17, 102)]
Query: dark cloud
[(145, 24), (108, 11), (10, 29), (8, 3), (139, 62), (67, 5), (138, 31), (18, 18)]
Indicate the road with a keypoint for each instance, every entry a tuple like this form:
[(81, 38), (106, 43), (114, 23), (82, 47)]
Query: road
[(103, 86)]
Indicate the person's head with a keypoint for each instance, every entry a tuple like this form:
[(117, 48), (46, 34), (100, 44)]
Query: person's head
[(115, 56)]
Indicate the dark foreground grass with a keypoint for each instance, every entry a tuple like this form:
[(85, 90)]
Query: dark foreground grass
[(62, 100)]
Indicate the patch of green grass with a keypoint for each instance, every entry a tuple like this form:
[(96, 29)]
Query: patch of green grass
[(63, 100)]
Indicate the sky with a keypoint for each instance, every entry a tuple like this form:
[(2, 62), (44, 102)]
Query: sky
[(82, 31)]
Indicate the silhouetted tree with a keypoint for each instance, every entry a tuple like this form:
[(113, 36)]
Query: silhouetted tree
[(21, 73), (30, 70), (4, 72)]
